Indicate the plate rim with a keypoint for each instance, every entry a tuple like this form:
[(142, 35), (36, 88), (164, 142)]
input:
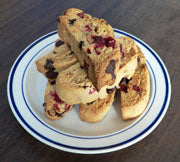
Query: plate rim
[(109, 148)]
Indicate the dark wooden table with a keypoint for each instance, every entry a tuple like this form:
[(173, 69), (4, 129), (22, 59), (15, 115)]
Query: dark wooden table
[(157, 22)]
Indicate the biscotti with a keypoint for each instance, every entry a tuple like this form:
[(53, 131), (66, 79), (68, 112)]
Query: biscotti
[(59, 59), (97, 110), (92, 40), (135, 92), (54, 107)]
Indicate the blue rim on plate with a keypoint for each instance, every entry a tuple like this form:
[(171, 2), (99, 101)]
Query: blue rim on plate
[(151, 126)]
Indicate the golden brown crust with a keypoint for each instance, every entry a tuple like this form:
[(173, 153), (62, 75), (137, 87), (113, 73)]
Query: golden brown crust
[(96, 111)]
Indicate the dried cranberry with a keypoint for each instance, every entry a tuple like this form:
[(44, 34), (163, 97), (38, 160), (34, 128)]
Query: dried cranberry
[(123, 87), (86, 65), (138, 59), (56, 107), (56, 97), (98, 40), (81, 15), (121, 66), (95, 49), (136, 88), (87, 28), (67, 107), (88, 51), (110, 42), (92, 91), (122, 51)]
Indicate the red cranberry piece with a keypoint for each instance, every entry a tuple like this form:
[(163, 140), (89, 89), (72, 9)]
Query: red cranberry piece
[(121, 66), (87, 28), (123, 88), (56, 107), (136, 88), (98, 40), (92, 91), (81, 15), (122, 51), (67, 107), (86, 66), (138, 59), (56, 97), (95, 49), (88, 51), (110, 42)]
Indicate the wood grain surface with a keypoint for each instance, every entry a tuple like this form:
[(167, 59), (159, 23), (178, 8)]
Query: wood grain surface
[(157, 22)]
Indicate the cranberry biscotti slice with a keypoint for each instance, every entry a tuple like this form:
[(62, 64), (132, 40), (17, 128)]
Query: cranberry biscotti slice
[(74, 87), (135, 92), (54, 107), (59, 59), (97, 110), (91, 39), (129, 52)]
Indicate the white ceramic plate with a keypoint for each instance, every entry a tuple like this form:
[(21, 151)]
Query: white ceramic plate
[(26, 95)]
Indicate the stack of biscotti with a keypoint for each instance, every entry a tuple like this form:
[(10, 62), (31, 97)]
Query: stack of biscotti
[(59, 61), (86, 66), (72, 81)]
